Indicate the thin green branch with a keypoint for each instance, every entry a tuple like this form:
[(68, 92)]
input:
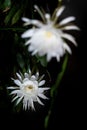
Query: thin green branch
[(13, 29), (54, 90), (59, 77)]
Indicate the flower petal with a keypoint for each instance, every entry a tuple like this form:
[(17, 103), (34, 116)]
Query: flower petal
[(33, 78), (58, 58), (41, 90), (70, 27), (32, 104), (26, 75), (28, 33), (14, 98), (14, 92), (28, 42), (19, 100), (25, 104), (60, 10), (37, 75), (25, 19), (41, 83), (42, 96), (67, 20), (67, 48), (69, 37), (19, 76), (36, 23), (39, 101), (12, 87), (17, 82)]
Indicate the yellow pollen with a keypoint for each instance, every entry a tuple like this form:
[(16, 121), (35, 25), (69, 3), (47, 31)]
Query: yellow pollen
[(28, 88), (48, 34)]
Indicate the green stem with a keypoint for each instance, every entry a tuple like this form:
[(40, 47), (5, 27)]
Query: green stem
[(54, 90), (60, 2), (59, 77), (13, 29)]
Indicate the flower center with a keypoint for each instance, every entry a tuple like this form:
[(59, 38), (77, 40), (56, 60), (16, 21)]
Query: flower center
[(48, 34), (29, 88)]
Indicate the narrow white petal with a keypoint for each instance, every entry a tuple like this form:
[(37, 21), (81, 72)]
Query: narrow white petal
[(25, 79), (71, 27), (17, 82), (36, 23), (33, 78), (69, 37), (58, 58), (24, 104), (67, 48), (28, 104), (67, 20), (39, 101), (42, 96), (59, 12), (18, 101), (41, 78), (49, 57), (37, 75), (26, 19), (29, 74), (34, 52), (28, 42), (31, 48), (41, 82), (19, 76), (14, 98), (41, 90), (28, 33), (14, 92), (12, 87), (26, 75), (32, 104)]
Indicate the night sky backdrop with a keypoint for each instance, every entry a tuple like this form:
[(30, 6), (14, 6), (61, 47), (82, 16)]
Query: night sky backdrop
[(69, 107)]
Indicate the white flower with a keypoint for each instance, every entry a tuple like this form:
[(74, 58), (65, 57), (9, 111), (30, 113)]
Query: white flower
[(28, 89), (49, 37)]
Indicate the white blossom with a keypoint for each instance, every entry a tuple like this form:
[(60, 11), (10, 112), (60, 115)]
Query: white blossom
[(49, 37), (28, 89)]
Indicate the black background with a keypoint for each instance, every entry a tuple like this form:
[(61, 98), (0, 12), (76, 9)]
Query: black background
[(69, 107)]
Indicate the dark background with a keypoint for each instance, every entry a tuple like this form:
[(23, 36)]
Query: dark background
[(69, 107)]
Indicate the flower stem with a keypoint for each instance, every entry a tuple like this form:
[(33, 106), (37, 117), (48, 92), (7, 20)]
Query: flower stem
[(54, 90), (13, 29), (60, 2)]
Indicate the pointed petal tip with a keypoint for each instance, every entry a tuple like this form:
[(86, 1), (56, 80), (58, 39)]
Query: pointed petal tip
[(60, 10), (35, 6)]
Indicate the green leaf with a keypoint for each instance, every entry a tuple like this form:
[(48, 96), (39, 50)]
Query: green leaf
[(7, 3), (1, 4), (42, 60), (20, 61), (16, 17), (47, 119), (60, 76), (10, 15)]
